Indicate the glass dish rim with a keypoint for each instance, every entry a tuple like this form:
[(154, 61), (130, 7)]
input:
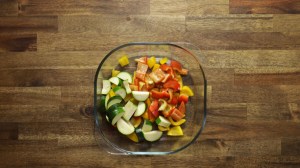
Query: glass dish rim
[(97, 125)]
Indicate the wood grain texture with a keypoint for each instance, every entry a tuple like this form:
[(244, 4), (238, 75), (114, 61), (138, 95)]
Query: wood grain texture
[(28, 24), (18, 42), (9, 8), (50, 50), (73, 7), (264, 6)]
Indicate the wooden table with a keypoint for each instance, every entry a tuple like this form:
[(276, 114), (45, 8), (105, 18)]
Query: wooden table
[(50, 50)]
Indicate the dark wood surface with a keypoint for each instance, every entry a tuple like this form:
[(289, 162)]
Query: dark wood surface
[(50, 50)]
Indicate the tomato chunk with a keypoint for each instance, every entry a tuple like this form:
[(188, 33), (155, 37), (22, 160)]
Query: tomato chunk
[(157, 76), (177, 115)]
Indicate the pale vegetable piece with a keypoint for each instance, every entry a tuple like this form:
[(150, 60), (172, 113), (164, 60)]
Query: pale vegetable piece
[(140, 95)]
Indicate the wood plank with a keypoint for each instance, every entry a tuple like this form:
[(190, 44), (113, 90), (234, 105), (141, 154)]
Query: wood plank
[(294, 111), (206, 7), (122, 24), (55, 77), (73, 7), (290, 146), (46, 131), (230, 23), (27, 145), (286, 23), (267, 161), (76, 112), (18, 42), (9, 131), (30, 95), (51, 60), (168, 7), (9, 8), (267, 76), (28, 24), (264, 6), (221, 148), (255, 94), (80, 95), (268, 111), (182, 161), (218, 75), (227, 111), (251, 58), (245, 130), (29, 113), (243, 40), (96, 41)]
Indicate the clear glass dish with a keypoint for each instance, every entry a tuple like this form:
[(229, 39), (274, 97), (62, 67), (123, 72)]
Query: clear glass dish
[(188, 55)]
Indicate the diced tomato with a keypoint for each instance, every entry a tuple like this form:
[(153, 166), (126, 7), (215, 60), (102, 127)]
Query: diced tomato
[(154, 106), (142, 60), (136, 81), (140, 76), (175, 65), (183, 98), (172, 84), (157, 76), (159, 95), (177, 115), (142, 68), (181, 107)]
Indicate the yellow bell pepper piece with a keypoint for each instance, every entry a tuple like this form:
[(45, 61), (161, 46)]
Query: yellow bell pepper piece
[(123, 60), (114, 72), (111, 93), (163, 60), (133, 137), (176, 123), (161, 128), (175, 131), (155, 67), (186, 90), (145, 115), (151, 62), (136, 121)]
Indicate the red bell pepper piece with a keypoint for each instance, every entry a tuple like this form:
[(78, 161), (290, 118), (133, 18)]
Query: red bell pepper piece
[(181, 107), (177, 115), (172, 84), (183, 98), (174, 100), (165, 67), (150, 116), (159, 95), (176, 65)]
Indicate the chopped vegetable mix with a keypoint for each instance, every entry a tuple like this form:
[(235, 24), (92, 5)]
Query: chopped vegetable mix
[(148, 102)]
